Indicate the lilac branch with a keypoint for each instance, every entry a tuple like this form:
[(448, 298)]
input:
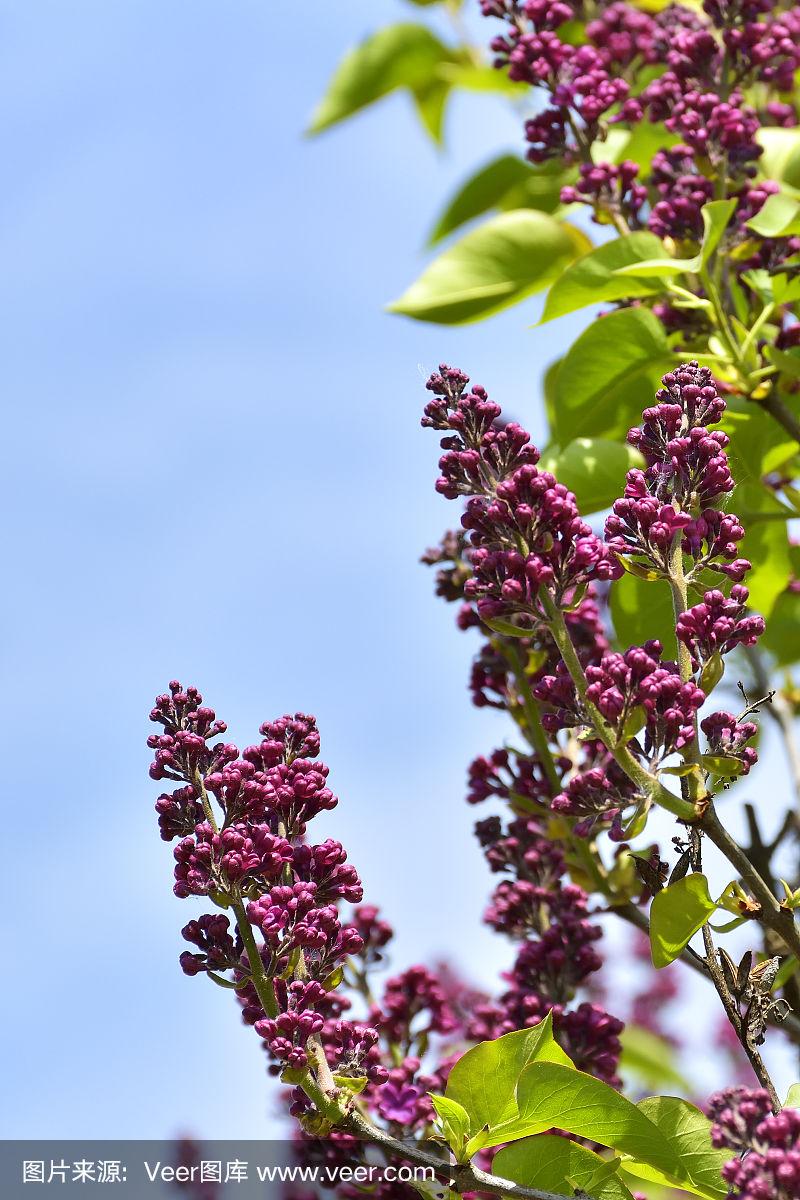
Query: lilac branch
[(649, 785)]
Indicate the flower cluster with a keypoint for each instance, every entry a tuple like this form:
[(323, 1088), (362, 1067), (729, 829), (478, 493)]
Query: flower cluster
[(590, 84), (525, 532), (767, 1145), (728, 737), (678, 493), (622, 686), (252, 853), (240, 823), (719, 624), (535, 905)]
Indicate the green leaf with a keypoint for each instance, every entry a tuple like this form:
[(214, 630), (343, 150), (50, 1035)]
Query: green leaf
[(487, 189), (454, 1121), (712, 673), (500, 263), (549, 392), (765, 544), (349, 1083), (689, 1133), (553, 1163), (642, 609), (638, 144), (781, 157), (667, 1135), (507, 628), (480, 79), (676, 915), (398, 56), (649, 1057), (782, 636), (716, 215), (552, 1095), (788, 968), (787, 361), (430, 100), (592, 279), (610, 374), (484, 1080), (594, 469), (724, 766), (779, 217)]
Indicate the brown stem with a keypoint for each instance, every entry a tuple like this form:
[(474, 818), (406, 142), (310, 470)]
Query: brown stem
[(461, 1178), (634, 916), (734, 1016), (778, 919)]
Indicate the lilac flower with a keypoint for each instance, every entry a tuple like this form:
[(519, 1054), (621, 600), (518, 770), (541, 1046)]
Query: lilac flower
[(219, 950), (416, 992), (728, 737), (768, 1145), (718, 625), (399, 1102), (511, 504), (619, 685)]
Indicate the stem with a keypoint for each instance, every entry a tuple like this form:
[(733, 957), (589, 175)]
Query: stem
[(733, 1015), (635, 916), (647, 783), (261, 981), (533, 722), (462, 1178), (778, 919), (760, 321), (680, 602)]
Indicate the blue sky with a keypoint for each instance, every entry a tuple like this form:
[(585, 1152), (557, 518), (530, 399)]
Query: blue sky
[(213, 470)]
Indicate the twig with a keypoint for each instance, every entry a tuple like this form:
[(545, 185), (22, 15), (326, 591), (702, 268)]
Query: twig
[(778, 919), (647, 783), (461, 1178), (635, 916), (735, 1018)]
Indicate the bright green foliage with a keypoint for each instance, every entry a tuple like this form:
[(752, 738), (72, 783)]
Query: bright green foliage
[(454, 1121), (594, 278), (716, 215), (508, 257), (552, 1095), (522, 1084), (593, 468), (642, 609), (551, 1162), (689, 1134), (780, 217), (781, 157), (505, 183), (676, 915), (603, 376), (399, 56), (650, 1058), (484, 1081)]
